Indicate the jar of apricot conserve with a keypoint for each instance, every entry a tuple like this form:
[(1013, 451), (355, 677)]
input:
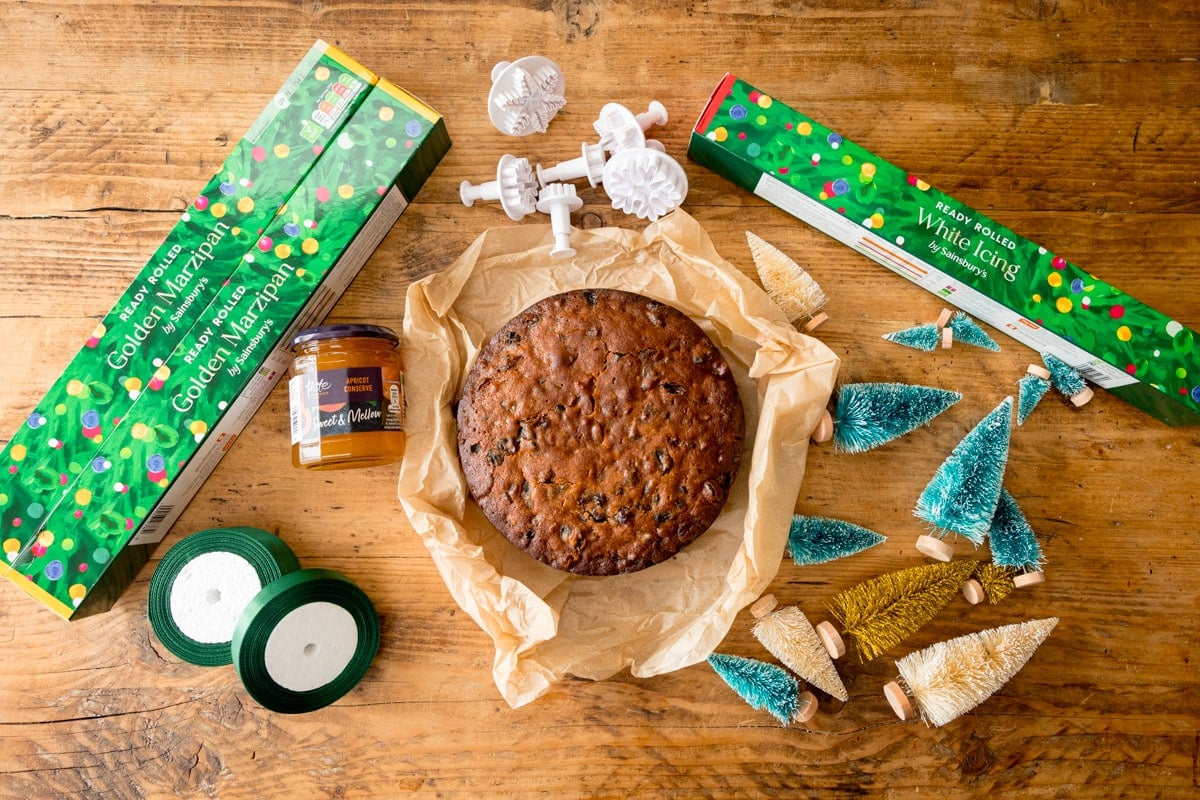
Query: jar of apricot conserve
[(346, 395)]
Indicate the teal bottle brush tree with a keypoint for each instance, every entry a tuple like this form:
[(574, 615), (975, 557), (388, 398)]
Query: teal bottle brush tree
[(1016, 555), (790, 637), (963, 494), (925, 337), (872, 414), (1067, 380), (817, 540), (1037, 380), (950, 326), (795, 291), (919, 337), (1031, 388), (1013, 542), (765, 686), (948, 679), (966, 330)]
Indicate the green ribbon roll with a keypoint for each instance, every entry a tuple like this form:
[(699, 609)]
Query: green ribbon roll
[(204, 583), (305, 640)]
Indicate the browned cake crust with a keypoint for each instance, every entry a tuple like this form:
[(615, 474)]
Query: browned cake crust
[(600, 431)]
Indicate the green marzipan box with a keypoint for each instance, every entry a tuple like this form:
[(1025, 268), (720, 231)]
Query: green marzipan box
[(950, 249), (219, 372), (122, 358)]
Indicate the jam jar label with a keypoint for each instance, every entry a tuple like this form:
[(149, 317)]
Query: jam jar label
[(348, 400)]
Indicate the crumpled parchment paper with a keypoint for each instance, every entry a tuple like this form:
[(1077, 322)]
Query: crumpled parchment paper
[(547, 624)]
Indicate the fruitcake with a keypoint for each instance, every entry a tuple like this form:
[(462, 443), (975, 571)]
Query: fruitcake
[(600, 431)]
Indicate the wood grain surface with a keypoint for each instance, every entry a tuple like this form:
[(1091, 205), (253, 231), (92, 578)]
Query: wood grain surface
[(1074, 123)]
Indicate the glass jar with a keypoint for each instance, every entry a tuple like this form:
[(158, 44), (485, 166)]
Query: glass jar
[(346, 394)]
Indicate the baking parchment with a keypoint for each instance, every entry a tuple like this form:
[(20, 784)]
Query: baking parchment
[(546, 624)]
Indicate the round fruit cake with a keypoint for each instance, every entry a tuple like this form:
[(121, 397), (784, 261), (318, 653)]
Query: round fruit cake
[(600, 431)]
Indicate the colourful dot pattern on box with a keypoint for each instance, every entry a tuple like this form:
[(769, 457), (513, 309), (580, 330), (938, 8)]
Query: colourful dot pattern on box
[(122, 358), (1040, 285), (66, 516)]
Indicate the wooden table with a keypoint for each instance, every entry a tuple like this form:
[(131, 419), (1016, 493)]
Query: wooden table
[(1071, 123)]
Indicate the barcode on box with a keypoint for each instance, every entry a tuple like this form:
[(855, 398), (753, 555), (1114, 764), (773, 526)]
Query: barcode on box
[(1092, 373), (158, 517)]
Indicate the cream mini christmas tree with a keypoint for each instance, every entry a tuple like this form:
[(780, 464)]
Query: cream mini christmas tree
[(790, 637), (793, 290), (948, 679)]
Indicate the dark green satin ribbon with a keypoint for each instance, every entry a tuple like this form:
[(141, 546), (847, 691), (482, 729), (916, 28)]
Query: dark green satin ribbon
[(267, 554), (276, 601)]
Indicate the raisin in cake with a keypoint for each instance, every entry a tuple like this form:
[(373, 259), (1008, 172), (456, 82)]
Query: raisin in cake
[(600, 431)]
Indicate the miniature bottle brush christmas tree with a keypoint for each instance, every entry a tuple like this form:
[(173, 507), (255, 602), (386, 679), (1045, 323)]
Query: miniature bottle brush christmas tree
[(817, 540), (793, 290), (920, 337), (790, 637), (1012, 540), (1031, 388), (962, 496), (1016, 555), (948, 679), (872, 414), (993, 583), (967, 331), (950, 326), (1067, 380), (765, 686), (884, 611)]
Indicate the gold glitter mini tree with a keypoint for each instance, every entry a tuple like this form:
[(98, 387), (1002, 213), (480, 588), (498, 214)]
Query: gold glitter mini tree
[(882, 612), (990, 582), (1016, 556)]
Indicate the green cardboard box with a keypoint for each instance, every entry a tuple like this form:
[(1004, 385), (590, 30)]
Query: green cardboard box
[(216, 375), (950, 249), (117, 362)]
